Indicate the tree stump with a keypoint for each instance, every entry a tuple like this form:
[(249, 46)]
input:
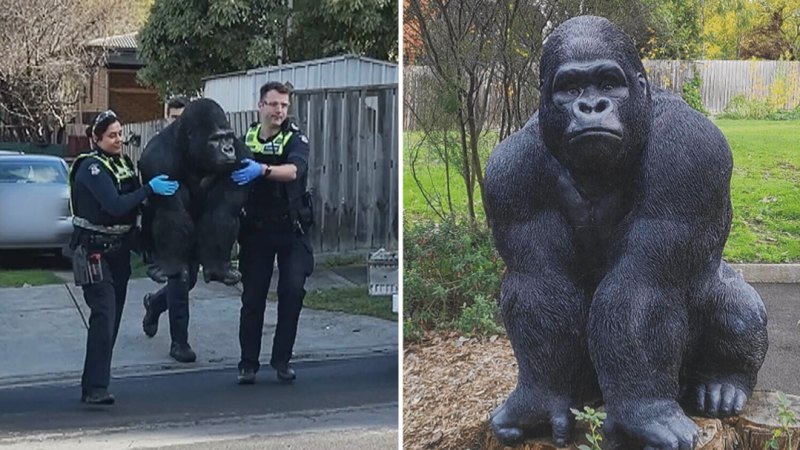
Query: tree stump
[(749, 431)]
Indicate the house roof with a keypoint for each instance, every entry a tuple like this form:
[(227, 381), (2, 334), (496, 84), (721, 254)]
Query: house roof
[(120, 42)]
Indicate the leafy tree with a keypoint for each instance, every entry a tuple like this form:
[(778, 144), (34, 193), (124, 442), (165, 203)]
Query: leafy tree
[(675, 30), (186, 40), (322, 28)]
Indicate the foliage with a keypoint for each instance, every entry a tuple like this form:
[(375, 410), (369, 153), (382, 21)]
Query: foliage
[(184, 41), (20, 278), (788, 420), (332, 27), (448, 267), (594, 419), (691, 94), (479, 318), (675, 30)]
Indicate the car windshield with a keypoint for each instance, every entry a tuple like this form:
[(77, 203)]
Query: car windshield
[(21, 171)]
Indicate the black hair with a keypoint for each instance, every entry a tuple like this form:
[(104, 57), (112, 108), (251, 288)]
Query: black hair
[(177, 102), (101, 123), (274, 86)]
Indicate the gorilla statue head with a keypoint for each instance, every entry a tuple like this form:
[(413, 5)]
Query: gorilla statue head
[(595, 106), (204, 132)]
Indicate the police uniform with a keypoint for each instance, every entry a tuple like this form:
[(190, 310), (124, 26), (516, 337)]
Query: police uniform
[(276, 223), (104, 197)]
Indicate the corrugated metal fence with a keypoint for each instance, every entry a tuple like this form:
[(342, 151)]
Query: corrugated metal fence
[(721, 81), (353, 175)]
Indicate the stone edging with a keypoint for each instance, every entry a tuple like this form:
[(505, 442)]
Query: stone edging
[(769, 273)]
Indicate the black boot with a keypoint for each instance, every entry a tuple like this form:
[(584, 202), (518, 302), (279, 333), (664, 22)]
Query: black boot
[(284, 372), (97, 397), (150, 321), (182, 352)]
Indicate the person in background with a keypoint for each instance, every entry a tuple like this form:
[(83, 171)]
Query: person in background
[(175, 295)]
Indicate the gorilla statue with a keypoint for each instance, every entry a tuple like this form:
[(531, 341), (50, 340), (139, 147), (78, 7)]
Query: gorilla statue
[(201, 221), (611, 208)]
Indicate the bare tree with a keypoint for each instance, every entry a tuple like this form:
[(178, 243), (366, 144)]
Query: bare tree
[(46, 63)]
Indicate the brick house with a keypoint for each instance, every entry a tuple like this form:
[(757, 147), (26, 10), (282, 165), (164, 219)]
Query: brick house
[(114, 86)]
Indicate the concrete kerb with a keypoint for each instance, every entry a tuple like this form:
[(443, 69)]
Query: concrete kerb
[(769, 273)]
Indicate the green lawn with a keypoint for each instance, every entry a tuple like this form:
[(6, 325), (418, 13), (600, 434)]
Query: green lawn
[(351, 300), (765, 189), (18, 278)]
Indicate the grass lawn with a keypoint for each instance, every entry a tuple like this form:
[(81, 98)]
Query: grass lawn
[(765, 189), (354, 300), (18, 278)]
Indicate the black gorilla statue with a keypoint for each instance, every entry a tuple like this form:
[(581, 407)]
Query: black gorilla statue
[(201, 221), (611, 208)]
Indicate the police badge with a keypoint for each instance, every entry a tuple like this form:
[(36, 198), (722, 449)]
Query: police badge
[(94, 169)]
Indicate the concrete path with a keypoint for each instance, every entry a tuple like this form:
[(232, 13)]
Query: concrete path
[(43, 330)]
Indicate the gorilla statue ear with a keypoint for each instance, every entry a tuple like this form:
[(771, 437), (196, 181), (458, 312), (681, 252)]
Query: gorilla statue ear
[(642, 80)]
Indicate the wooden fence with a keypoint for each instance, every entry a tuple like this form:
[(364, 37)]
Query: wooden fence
[(353, 167), (721, 81)]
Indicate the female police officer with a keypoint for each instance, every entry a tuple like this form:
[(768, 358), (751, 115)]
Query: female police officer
[(104, 195)]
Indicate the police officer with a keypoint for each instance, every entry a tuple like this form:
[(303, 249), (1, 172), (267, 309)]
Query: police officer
[(175, 295), (276, 223), (104, 196)]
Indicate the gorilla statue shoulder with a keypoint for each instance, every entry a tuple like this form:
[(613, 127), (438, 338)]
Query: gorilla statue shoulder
[(201, 221), (611, 207)]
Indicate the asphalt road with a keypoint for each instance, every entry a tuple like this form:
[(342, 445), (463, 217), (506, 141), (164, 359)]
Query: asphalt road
[(333, 391)]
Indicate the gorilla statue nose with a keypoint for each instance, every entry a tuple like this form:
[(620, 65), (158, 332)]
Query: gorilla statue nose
[(229, 151), (599, 106)]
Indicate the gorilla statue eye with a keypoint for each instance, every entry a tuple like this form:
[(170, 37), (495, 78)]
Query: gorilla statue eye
[(608, 87), (573, 91)]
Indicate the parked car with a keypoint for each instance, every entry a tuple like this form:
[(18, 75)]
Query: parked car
[(34, 202)]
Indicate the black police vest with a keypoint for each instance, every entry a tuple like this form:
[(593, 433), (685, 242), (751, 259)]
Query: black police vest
[(83, 203), (268, 199)]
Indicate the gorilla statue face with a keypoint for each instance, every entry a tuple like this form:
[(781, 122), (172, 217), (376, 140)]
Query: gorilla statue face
[(595, 107), (208, 137)]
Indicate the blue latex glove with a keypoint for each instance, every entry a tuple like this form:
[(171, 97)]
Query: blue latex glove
[(248, 173), (162, 186)]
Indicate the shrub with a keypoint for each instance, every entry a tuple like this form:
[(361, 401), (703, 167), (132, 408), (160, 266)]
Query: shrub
[(691, 94), (479, 318), (741, 107), (447, 267)]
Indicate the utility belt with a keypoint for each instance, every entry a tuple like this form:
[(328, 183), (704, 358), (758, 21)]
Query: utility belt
[(299, 219), (89, 250)]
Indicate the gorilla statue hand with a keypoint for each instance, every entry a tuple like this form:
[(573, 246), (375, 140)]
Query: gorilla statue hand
[(162, 186), (248, 173)]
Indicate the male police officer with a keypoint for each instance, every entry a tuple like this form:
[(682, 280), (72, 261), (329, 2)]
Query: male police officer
[(175, 295), (276, 223)]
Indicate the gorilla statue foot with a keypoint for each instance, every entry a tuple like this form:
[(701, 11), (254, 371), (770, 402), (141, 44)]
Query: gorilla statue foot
[(227, 277), (520, 417), (156, 274), (718, 397), (655, 424)]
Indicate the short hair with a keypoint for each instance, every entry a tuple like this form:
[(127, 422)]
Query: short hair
[(177, 102), (274, 86)]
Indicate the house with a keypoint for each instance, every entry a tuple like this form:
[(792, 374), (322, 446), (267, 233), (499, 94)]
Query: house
[(115, 86)]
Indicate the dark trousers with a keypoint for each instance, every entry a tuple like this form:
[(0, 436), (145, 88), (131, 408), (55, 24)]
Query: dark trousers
[(175, 298), (106, 300), (295, 262)]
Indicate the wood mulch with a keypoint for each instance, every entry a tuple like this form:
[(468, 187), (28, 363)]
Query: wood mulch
[(450, 385)]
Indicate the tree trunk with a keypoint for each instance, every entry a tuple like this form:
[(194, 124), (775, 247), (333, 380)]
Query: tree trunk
[(749, 431)]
